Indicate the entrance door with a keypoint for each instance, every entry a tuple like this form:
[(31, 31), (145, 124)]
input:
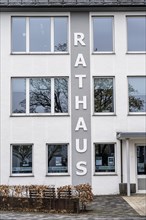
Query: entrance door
[(141, 167)]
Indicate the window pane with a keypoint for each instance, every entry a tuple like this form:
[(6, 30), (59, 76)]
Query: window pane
[(104, 158), (141, 160), (136, 33), (21, 159), (61, 95), (39, 34), (137, 94), (18, 34), (18, 95), (60, 34), (102, 34), (57, 159), (103, 95), (40, 95)]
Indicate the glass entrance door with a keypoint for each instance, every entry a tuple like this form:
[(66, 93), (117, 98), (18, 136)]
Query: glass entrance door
[(141, 167)]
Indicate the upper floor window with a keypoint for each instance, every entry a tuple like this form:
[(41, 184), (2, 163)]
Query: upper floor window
[(103, 95), (21, 159), (103, 34), (136, 33), (137, 94), (39, 34), (40, 95)]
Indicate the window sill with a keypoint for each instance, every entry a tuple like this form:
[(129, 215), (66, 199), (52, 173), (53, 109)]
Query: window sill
[(104, 114), (137, 114), (21, 175), (105, 174), (40, 115), (39, 53), (57, 174), (103, 53), (136, 52)]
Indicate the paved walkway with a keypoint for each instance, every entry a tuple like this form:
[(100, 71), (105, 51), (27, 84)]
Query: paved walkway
[(102, 208)]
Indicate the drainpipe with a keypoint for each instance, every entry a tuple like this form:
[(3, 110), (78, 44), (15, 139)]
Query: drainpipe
[(121, 147)]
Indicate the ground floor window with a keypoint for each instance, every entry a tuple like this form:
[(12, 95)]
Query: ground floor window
[(141, 160), (57, 158), (21, 159), (104, 157)]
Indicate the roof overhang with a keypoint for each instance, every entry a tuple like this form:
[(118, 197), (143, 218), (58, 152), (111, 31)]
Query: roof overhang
[(131, 135)]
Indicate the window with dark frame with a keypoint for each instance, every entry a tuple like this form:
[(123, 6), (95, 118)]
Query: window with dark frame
[(39, 95), (137, 94), (57, 158), (45, 35), (21, 159), (136, 33), (104, 158), (103, 95), (102, 34)]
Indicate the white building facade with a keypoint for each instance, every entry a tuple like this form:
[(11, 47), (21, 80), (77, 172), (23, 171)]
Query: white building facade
[(73, 94)]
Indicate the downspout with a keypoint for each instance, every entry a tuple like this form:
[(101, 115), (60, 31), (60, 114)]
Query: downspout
[(121, 148)]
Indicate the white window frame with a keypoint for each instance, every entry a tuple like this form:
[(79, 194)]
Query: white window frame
[(132, 52), (68, 160), (133, 113), (52, 51), (113, 34), (52, 113), (106, 173), (114, 98), (11, 156)]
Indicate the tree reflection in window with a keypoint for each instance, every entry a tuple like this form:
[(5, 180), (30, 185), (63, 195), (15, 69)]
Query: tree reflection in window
[(21, 159), (137, 94), (40, 95), (61, 95), (57, 158), (103, 95)]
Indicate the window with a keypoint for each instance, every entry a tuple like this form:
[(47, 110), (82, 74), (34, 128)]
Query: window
[(21, 159), (104, 158), (141, 160), (103, 95), (57, 158), (39, 34), (136, 31), (102, 34), (137, 94), (40, 95)]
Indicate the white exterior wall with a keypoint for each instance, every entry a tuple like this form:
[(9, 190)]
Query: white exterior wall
[(50, 129), (38, 130), (104, 128)]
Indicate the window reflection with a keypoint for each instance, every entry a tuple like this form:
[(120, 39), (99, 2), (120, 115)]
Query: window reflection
[(103, 95), (60, 34), (40, 34), (141, 160), (137, 94), (21, 159), (18, 34), (18, 95), (61, 95), (104, 158), (136, 33), (40, 95), (102, 34), (57, 158)]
